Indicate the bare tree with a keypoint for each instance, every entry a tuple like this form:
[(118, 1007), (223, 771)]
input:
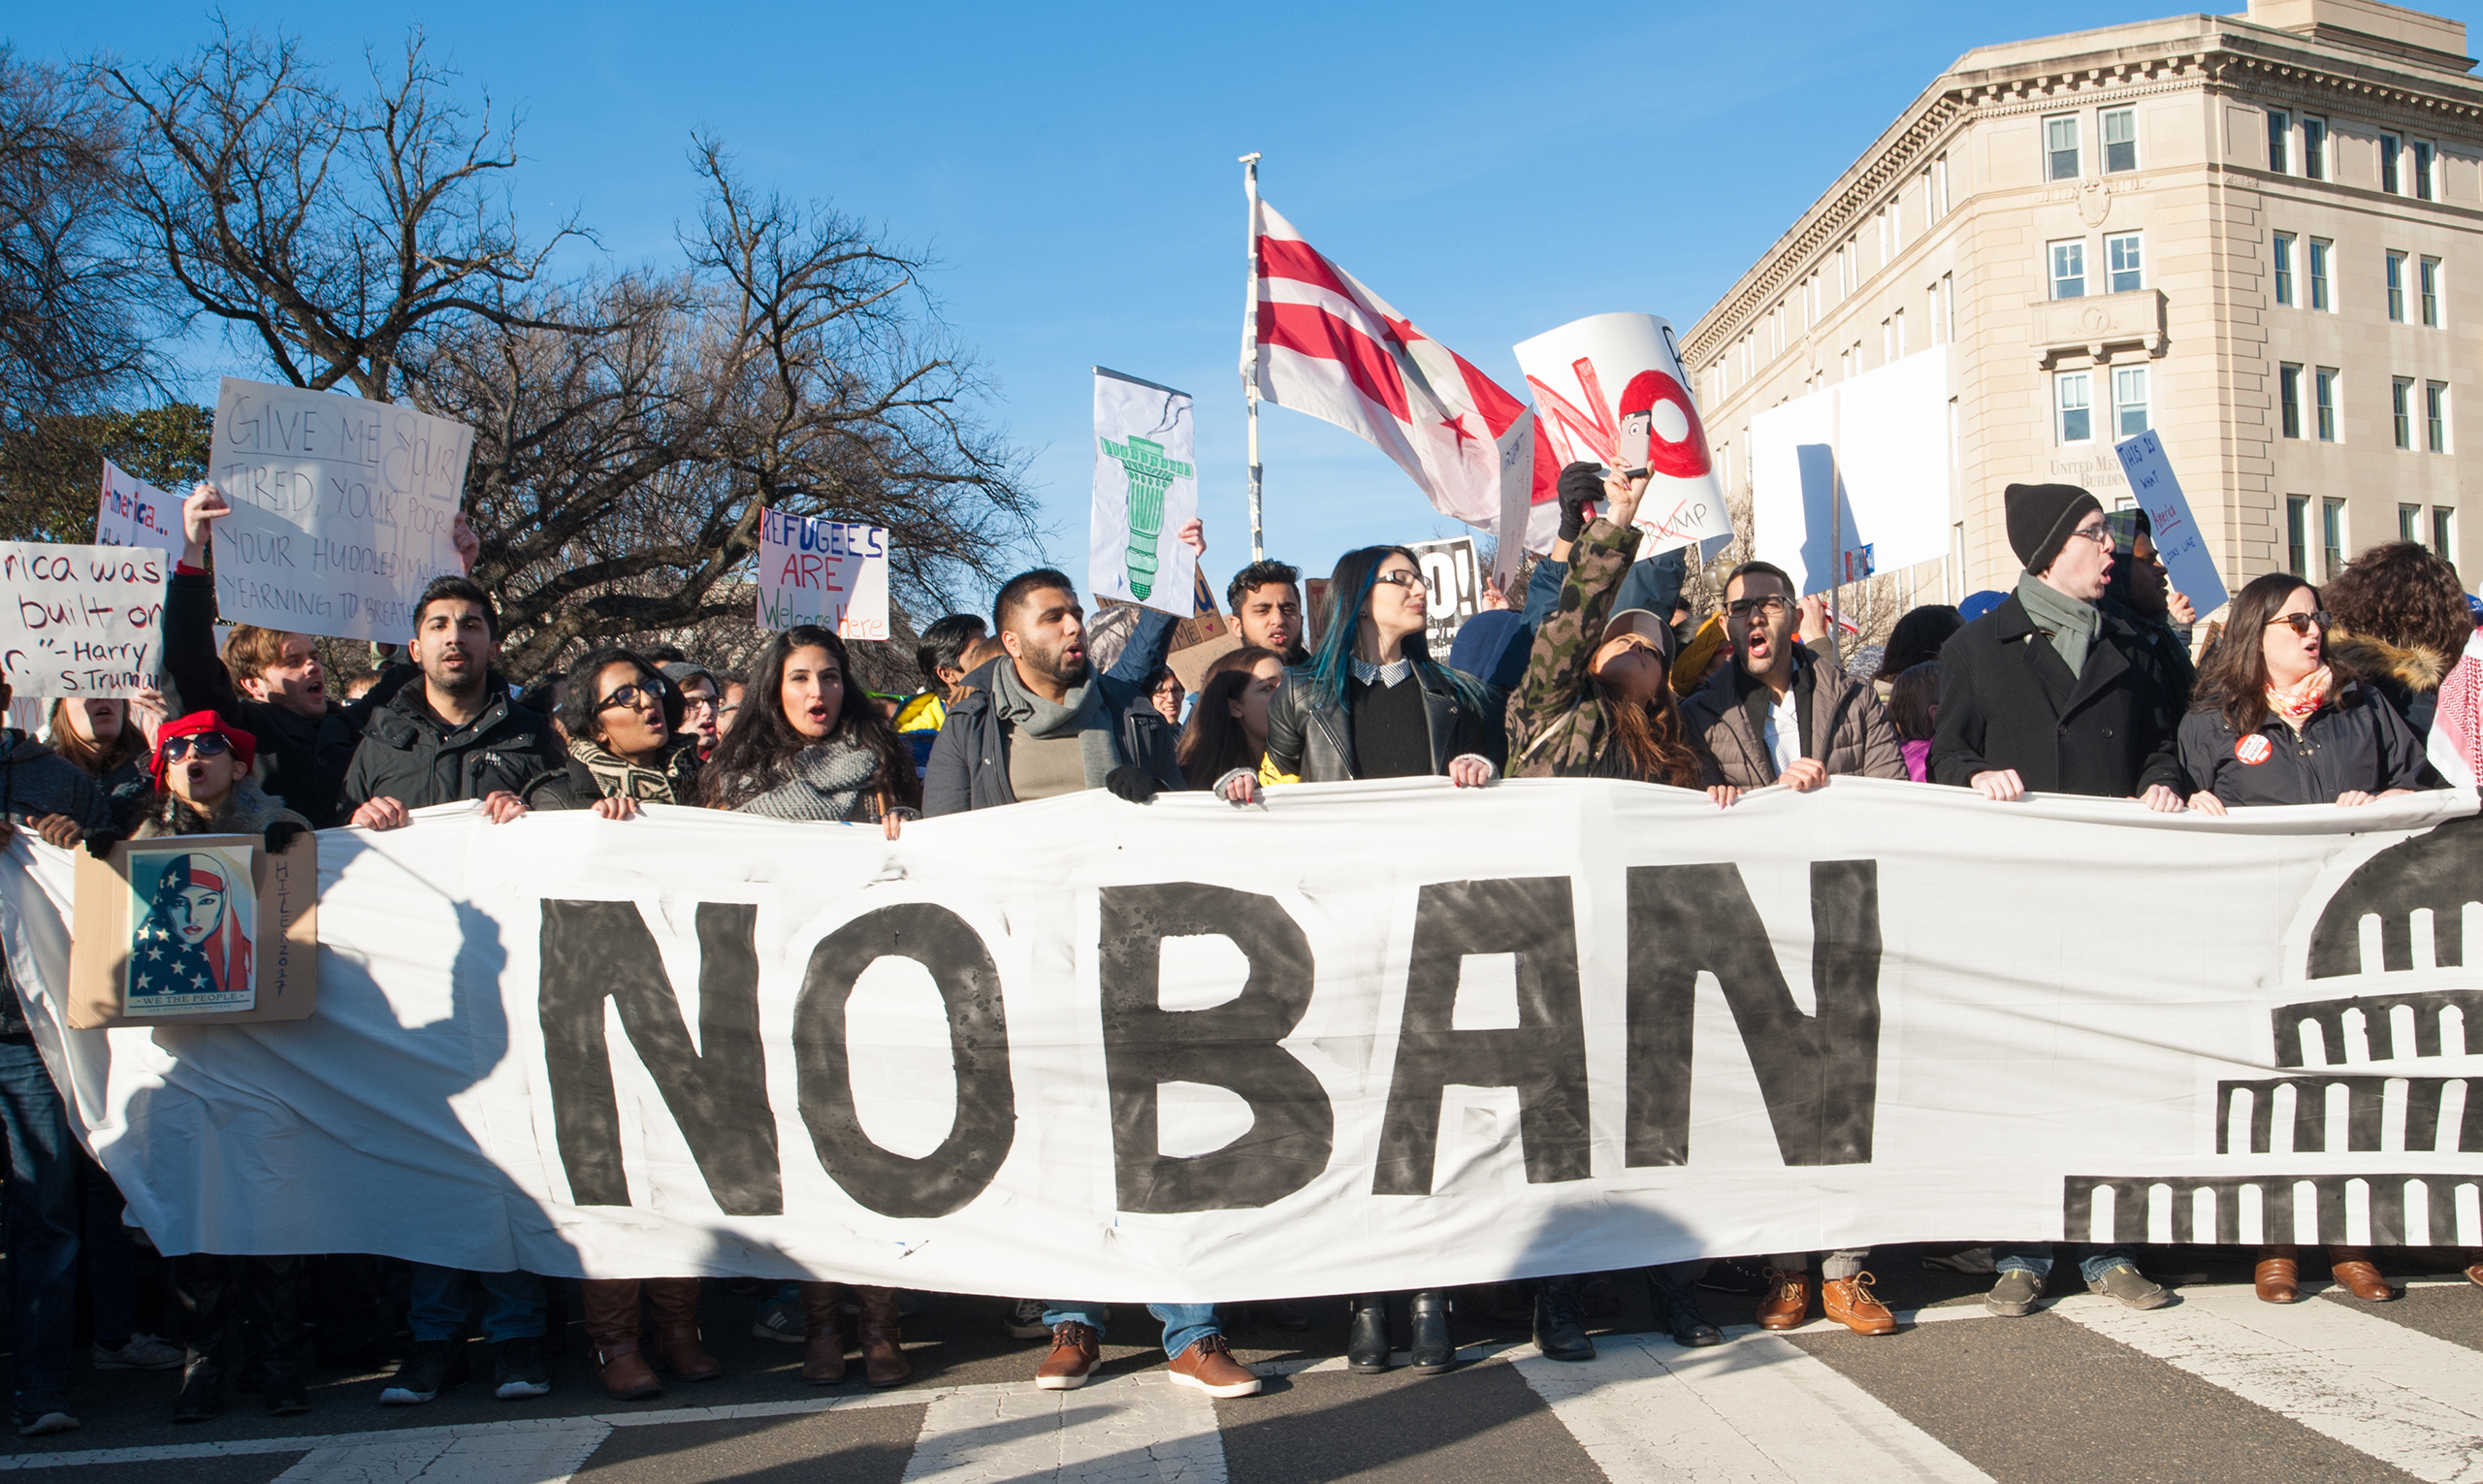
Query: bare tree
[(339, 233)]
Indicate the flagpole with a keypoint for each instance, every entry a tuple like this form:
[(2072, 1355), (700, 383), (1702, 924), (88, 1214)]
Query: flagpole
[(1250, 351)]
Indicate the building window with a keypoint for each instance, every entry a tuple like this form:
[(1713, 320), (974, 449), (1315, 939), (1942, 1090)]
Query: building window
[(2400, 410), (2409, 523), (1931, 306), (2075, 391), (2425, 158), (2060, 147), (2391, 148), (2396, 287), (2279, 135), (2332, 538), (2314, 147), (2129, 400), (1948, 303), (2435, 415), (2289, 399), (2124, 261), (2280, 253), (1899, 317), (2323, 391), (2298, 535), (2120, 141), (1940, 182), (2069, 270), (2429, 268), (2444, 533), (2318, 258)]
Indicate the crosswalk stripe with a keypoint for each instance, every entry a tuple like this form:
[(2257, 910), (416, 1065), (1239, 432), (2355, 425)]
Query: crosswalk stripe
[(2397, 1393), (1122, 1428), (534, 1456), (1756, 1411)]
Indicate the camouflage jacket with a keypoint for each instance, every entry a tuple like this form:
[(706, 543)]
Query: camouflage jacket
[(1560, 720)]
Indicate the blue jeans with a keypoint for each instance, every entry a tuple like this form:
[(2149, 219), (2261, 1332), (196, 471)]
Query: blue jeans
[(42, 1198), (2036, 1257), (441, 1304), (1185, 1324)]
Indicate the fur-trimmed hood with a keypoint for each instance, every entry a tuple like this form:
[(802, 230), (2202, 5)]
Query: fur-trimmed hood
[(2413, 668), (245, 811)]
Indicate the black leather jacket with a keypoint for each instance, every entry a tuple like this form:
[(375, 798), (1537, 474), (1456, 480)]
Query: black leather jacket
[(1309, 741)]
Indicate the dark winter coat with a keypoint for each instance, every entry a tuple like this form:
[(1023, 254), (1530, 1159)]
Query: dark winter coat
[(969, 766), (34, 781), (407, 754), (2355, 741), (1312, 741), (2407, 678), (2008, 701)]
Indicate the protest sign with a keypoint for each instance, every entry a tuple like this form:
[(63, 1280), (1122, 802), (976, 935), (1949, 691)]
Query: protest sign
[(1455, 580), (82, 620), (2178, 544), (1146, 487), (1613, 383), (832, 573), (341, 509), (1853, 479), (131, 512), (1370, 1037)]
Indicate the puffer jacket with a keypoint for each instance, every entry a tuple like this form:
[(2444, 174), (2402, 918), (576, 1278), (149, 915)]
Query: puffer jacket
[(408, 755), (1842, 722)]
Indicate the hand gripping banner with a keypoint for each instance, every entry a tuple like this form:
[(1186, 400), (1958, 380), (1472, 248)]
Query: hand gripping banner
[(1369, 1037)]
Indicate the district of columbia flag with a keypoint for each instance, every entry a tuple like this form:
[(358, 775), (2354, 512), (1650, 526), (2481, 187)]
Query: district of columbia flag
[(1330, 347)]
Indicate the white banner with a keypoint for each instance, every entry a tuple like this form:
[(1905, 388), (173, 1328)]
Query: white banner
[(341, 509), (832, 573), (1610, 388), (1146, 485), (1373, 1036), (131, 512), (1855, 478), (82, 620), (2179, 542)]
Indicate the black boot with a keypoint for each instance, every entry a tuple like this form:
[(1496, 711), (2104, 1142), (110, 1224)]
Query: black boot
[(202, 1291), (1675, 1296), (1559, 1326), (1366, 1346), (276, 1288), (1431, 1352)]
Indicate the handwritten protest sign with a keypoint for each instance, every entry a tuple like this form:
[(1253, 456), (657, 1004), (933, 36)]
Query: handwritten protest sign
[(82, 620), (341, 509), (132, 512), (1146, 487), (1610, 389), (832, 573), (2175, 529)]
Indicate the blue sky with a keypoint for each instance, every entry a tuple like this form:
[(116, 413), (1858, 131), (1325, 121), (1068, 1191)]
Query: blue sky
[(1492, 171)]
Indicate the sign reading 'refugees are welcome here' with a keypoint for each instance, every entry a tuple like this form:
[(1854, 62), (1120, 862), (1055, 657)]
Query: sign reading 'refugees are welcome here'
[(341, 509)]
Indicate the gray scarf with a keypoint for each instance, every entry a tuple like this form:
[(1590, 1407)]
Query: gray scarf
[(2071, 624), (1080, 712), (828, 783)]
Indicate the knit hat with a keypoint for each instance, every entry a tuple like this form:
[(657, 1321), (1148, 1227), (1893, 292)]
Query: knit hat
[(1689, 672), (246, 748), (2041, 517)]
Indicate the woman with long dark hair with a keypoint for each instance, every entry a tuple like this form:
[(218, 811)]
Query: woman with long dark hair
[(2400, 621), (1229, 721), (2282, 720), (108, 743)]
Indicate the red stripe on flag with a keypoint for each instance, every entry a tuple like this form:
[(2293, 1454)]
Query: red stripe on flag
[(1285, 258), (1501, 411), (1315, 332)]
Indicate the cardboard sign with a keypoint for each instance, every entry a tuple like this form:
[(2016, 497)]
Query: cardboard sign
[(832, 573), (131, 512), (341, 509), (82, 620), (1604, 382), (1146, 487), (2178, 544), (196, 930), (1455, 578)]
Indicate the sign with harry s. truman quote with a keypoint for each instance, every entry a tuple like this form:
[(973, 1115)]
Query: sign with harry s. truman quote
[(82, 620), (341, 509)]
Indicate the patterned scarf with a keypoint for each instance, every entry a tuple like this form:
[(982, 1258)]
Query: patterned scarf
[(2295, 702), (673, 780)]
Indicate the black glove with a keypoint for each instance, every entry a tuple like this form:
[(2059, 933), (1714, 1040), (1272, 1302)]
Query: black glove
[(1133, 783), (281, 834), (100, 842), (1580, 484)]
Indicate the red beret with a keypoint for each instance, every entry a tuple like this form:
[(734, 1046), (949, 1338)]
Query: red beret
[(246, 748)]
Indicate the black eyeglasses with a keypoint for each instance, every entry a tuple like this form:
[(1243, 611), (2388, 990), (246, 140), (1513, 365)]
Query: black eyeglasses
[(2300, 622), (631, 697), (1402, 580), (206, 744), (1770, 606)]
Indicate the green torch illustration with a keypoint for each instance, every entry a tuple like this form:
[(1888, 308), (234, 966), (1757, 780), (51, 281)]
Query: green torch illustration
[(1150, 474)]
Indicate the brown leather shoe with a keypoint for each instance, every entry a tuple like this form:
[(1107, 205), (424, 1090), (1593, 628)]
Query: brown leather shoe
[(1073, 1358), (1851, 1302), (2278, 1280), (1788, 1303), (822, 1334), (1209, 1366), (675, 1302), (884, 1361), (2353, 1268), (610, 1309), (2475, 1274)]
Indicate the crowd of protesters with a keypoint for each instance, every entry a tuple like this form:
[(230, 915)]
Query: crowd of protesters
[(2078, 680)]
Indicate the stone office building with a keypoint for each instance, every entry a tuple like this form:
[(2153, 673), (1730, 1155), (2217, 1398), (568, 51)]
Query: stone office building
[(2260, 235)]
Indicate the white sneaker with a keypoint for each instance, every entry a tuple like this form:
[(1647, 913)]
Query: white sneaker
[(48, 1424), (144, 1352)]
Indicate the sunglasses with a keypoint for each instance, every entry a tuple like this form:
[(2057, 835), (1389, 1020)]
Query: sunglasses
[(2300, 622), (204, 744), (631, 697)]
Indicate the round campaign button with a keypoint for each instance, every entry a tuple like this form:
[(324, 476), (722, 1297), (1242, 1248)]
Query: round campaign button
[(2254, 749)]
